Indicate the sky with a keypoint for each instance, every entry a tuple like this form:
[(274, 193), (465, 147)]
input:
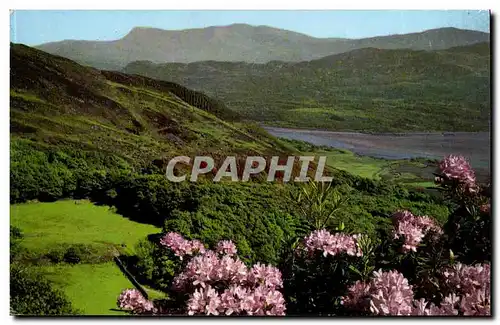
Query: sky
[(41, 26)]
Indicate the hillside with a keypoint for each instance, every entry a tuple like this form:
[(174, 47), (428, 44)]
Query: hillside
[(242, 42), (362, 90), (56, 102)]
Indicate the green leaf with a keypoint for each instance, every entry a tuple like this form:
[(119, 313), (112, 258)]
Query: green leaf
[(355, 270)]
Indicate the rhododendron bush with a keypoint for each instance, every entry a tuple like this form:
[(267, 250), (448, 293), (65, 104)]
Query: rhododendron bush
[(415, 270), (469, 227), (215, 283), (389, 293)]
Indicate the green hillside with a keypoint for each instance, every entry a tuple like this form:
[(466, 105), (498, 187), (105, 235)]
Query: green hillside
[(363, 90), (57, 102)]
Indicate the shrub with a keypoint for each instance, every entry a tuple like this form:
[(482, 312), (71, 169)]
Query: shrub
[(32, 294), (76, 253), (72, 256), (213, 283), (153, 266), (328, 273)]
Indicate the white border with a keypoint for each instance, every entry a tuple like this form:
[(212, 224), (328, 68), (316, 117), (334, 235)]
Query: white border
[(199, 4)]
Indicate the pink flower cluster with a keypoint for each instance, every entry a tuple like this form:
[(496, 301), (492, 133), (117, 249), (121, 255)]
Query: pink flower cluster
[(473, 284), (246, 291), (220, 283), (458, 168), (181, 246), (323, 240), (470, 288), (358, 296), (447, 308), (412, 228), (132, 300), (202, 270), (226, 247), (389, 293), (485, 208), (237, 300), (264, 275)]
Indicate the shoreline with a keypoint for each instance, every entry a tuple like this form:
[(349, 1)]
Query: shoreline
[(475, 146), (325, 131)]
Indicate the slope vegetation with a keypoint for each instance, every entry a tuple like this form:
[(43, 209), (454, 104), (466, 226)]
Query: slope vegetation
[(56, 102), (364, 90)]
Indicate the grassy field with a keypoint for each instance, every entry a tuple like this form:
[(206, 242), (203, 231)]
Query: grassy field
[(413, 173), (91, 288), (348, 161), (46, 225)]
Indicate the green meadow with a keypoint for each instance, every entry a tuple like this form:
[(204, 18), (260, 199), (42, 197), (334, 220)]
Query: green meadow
[(91, 288)]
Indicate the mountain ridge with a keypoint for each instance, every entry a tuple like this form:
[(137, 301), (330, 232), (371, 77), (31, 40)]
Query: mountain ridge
[(242, 42)]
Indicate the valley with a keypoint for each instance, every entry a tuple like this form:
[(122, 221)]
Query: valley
[(365, 90), (94, 124)]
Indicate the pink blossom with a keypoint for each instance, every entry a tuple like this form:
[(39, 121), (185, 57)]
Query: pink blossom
[(226, 247), (200, 270), (485, 208), (209, 268), (231, 299), (458, 168), (412, 235), (250, 292), (390, 294), (423, 308), (387, 293), (464, 278), (132, 300), (218, 282), (204, 301), (402, 215), (423, 222), (323, 240), (473, 284), (263, 301), (232, 270), (448, 305), (358, 297), (420, 308), (196, 247), (237, 300), (180, 246), (476, 303), (274, 304), (264, 275), (413, 228)]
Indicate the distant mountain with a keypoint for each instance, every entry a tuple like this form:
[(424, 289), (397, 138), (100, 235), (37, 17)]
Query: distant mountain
[(241, 42), (366, 89)]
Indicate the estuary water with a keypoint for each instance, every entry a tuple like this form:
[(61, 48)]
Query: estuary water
[(475, 146)]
